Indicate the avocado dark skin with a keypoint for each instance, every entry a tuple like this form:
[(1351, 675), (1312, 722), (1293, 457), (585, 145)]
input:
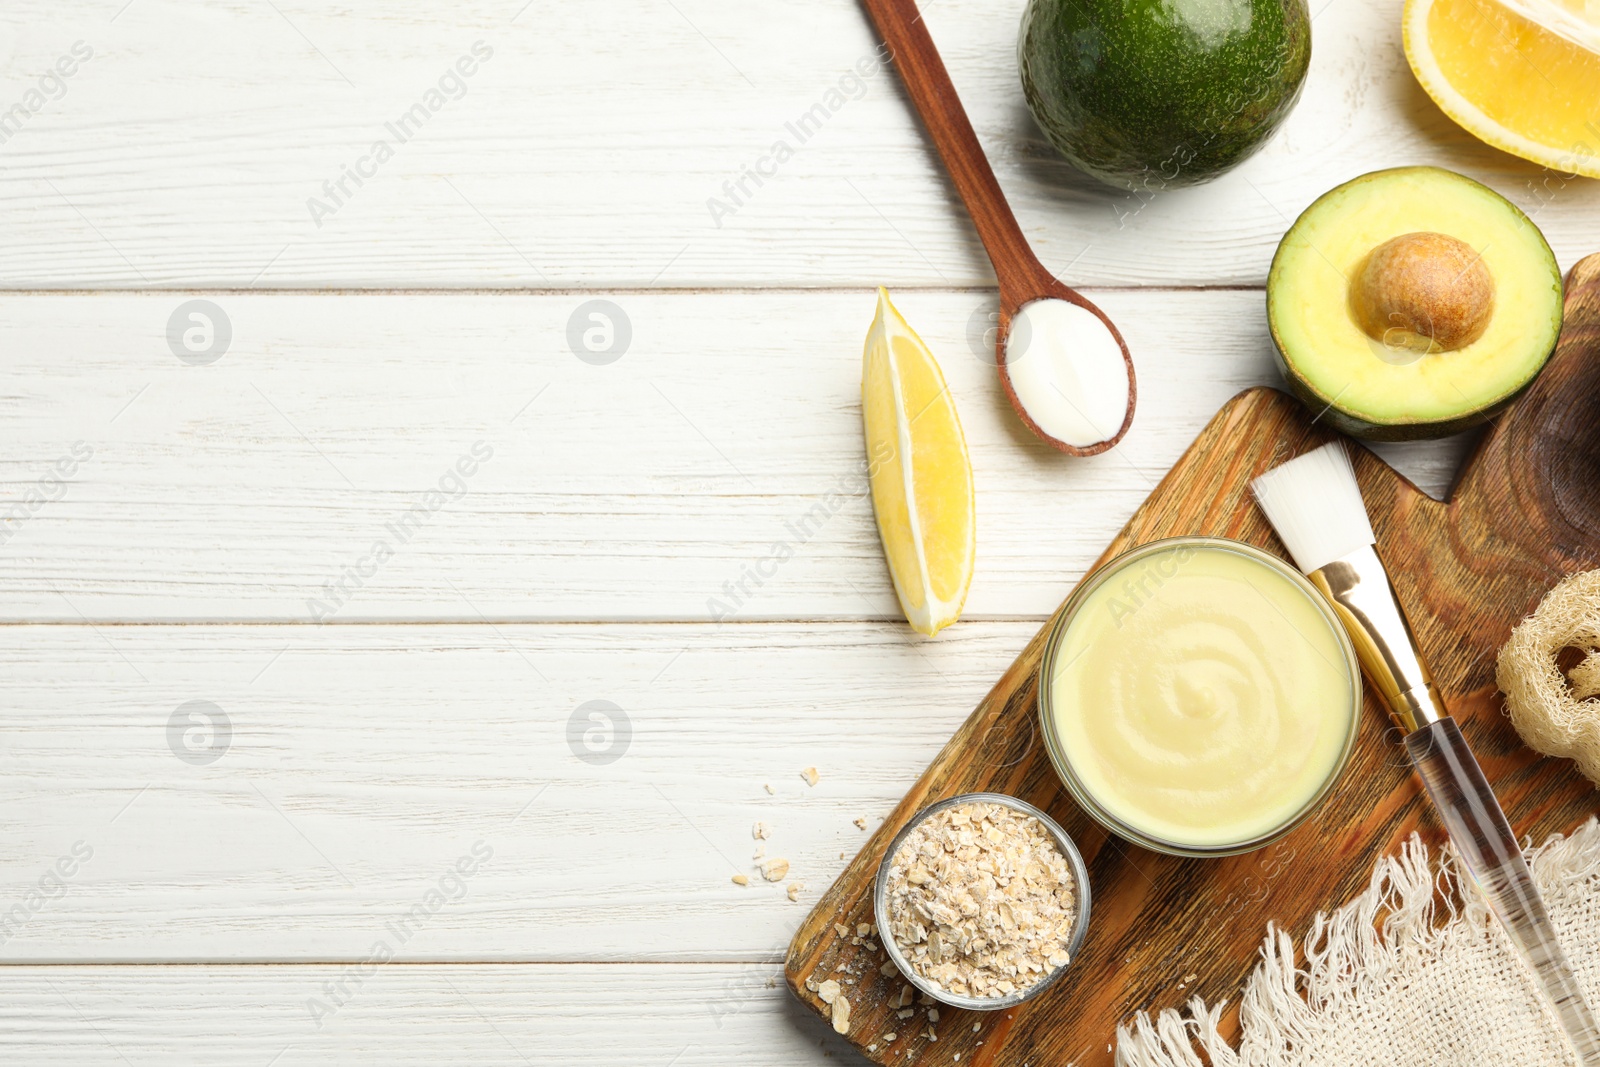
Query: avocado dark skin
[(1155, 94)]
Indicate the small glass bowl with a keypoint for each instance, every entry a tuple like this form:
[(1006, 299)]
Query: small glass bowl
[(1058, 753), (1080, 924)]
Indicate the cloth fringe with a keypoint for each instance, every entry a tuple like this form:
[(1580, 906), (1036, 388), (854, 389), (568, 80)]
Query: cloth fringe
[(1352, 957)]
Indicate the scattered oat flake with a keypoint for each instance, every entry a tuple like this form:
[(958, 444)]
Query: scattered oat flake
[(761, 831), (841, 1015), (828, 991), (810, 775), (861, 823), (888, 968), (768, 787), (841, 929), (741, 879), (975, 1028), (890, 1036), (933, 1015), (773, 870), (794, 890), (863, 929)]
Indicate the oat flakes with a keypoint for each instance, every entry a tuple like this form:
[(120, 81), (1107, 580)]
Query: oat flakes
[(841, 1015), (981, 901)]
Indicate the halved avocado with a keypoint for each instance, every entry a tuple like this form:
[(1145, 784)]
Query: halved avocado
[(1412, 303)]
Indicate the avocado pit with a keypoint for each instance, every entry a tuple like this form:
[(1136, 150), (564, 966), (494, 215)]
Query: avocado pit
[(1426, 292)]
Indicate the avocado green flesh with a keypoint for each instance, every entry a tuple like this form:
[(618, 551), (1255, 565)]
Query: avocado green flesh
[(1148, 94), (1366, 430), (1373, 391)]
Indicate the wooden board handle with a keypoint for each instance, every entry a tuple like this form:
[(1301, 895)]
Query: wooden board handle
[(1534, 482)]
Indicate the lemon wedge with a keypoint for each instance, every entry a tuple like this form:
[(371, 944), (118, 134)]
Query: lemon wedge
[(920, 473), (1522, 75)]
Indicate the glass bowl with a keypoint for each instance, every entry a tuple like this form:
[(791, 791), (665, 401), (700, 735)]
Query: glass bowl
[(1062, 762), (1080, 924)]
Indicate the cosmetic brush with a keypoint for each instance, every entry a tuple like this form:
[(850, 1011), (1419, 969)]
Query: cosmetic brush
[(1315, 505)]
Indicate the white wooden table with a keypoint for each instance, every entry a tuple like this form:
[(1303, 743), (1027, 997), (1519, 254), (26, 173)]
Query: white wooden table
[(383, 697)]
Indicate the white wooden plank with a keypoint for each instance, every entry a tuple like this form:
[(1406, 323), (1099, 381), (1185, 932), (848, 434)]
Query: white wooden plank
[(498, 1016), (360, 763), (655, 487), (585, 150)]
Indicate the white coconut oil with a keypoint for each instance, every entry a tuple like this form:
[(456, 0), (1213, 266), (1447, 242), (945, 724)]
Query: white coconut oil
[(1068, 372)]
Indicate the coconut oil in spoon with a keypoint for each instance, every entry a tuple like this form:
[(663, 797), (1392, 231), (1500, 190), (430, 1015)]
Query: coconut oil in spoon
[(1067, 372)]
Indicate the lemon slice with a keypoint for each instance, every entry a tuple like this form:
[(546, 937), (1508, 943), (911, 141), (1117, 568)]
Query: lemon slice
[(1522, 75), (921, 476)]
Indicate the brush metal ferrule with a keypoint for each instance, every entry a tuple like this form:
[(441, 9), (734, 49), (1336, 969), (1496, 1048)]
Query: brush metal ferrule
[(1364, 599)]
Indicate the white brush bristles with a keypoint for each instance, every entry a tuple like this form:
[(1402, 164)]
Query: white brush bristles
[(1315, 505)]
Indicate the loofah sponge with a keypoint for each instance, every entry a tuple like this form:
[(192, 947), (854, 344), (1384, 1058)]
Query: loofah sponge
[(1555, 714)]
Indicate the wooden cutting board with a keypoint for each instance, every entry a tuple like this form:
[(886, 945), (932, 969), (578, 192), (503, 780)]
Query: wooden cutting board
[(1525, 513)]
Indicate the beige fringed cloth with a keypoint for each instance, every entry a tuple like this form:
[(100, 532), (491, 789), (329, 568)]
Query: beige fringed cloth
[(1395, 979)]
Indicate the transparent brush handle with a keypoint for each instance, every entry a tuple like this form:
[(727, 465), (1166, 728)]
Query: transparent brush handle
[(1493, 859)]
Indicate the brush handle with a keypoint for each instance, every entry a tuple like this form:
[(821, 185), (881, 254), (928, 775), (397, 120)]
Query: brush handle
[(1493, 859)]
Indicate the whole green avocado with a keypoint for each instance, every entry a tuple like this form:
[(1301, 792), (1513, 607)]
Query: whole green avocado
[(1152, 94)]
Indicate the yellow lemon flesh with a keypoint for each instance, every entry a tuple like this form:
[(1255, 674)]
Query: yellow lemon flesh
[(920, 473), (1522, 75)]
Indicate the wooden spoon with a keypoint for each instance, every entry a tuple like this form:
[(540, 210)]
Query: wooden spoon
[(1022, 277)]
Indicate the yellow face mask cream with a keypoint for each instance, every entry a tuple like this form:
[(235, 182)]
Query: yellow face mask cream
[(1198, 696)]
